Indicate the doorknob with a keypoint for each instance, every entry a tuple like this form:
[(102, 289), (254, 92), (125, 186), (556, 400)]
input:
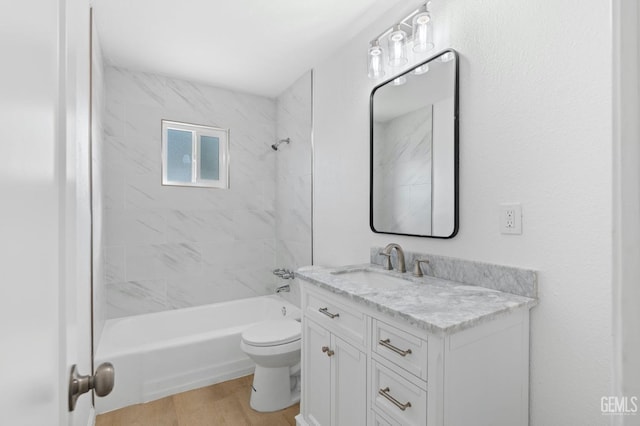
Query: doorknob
[(102, 383)]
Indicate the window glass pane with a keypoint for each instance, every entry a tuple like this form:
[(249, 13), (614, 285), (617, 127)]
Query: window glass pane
[(209, 158), (179, 154)]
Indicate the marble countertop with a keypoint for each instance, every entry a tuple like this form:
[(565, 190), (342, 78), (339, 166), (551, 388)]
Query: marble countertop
[(432, 304)]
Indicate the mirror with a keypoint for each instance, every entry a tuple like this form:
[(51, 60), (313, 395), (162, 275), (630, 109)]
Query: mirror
[(414, 151)]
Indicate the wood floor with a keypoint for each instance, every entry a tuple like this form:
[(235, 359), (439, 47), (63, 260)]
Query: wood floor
[(222, 404)]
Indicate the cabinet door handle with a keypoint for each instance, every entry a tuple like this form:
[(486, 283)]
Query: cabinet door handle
[(327, 313), (385, 392), (387, 344), (328, 351)]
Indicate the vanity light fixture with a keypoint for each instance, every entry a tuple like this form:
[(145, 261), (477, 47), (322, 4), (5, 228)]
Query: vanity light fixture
[(397, 47), (422, 33), (421, 69), (376, 68), (399, 81), (445, 57), (419, 26)]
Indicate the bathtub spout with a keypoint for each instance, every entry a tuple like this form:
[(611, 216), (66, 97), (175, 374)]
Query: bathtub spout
[(286, 288)]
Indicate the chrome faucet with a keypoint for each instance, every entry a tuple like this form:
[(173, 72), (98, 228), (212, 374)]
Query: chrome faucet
[(387, 253), (286, 288)]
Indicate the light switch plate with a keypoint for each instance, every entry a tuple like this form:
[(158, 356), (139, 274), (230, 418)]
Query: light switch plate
[(511, 218)]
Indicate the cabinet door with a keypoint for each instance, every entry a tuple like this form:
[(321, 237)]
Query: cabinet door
[(316, 374), (349, 380)]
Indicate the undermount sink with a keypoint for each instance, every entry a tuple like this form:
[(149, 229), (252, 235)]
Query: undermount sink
[(371, 278)]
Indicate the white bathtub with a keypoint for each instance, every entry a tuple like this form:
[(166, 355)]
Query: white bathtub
[(163, 353)]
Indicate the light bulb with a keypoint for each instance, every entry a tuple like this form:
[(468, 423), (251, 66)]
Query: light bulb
[(422, 32), (421, 69), (397, 47), (375, 61), (399, 81), (445, 57)]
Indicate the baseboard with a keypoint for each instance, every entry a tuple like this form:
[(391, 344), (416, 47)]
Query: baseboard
[(300, 421)]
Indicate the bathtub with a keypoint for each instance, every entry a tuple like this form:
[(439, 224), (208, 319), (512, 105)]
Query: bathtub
[(159, 354)]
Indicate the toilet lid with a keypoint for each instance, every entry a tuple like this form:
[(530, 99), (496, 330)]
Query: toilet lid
[(272, 332)]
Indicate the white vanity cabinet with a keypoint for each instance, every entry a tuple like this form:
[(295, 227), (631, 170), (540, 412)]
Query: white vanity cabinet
[(335, 371), (385, 371)]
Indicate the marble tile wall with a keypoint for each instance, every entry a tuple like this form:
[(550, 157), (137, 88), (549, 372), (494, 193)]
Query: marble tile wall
[(173, 247), (293, 181), (403, 173)]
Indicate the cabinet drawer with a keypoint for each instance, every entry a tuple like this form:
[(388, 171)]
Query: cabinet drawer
[(401, 348), (380, 420), (399, 399), (347, 322)]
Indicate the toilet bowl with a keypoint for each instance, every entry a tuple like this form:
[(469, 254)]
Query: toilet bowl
[(274, 346)]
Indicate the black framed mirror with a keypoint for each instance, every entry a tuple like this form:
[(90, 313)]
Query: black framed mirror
[(414, 142)]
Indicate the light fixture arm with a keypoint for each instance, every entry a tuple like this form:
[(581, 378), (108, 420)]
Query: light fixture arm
[(403, 21)]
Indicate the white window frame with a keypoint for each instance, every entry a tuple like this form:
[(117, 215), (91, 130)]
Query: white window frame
[(198, 130)]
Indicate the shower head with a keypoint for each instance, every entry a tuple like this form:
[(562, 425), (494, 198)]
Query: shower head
[(275, 145)]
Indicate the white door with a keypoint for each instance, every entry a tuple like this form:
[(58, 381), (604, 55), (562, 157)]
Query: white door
[(43, 215)]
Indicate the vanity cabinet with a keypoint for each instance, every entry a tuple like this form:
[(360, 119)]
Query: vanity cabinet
[(364, 367), (335, 372)]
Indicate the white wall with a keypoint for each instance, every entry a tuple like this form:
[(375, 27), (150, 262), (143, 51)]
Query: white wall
[(535, 128)]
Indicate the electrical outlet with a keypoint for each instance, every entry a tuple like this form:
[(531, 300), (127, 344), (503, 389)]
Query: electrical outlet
[(511, 218)]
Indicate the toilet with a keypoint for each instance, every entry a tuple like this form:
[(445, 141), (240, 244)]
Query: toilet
[(274, 346)]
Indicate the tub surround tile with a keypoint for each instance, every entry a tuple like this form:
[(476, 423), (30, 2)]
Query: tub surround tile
[(180, 260), (157, 233), (204, 245), (113, 118), (293, 253), (126, 227), (199, 226), (136, 298), (523, 282), (114, 268), (113, 191), (432, 304), (260, 279), (184, 293), (293, 296)]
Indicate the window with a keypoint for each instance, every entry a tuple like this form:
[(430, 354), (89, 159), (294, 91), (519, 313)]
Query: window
[(194, 155)]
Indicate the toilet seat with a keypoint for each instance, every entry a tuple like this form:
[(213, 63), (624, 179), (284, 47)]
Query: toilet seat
[(272, 333)]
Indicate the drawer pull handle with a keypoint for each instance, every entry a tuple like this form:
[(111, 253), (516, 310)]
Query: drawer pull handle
[(328, 351), (385, 392), (387, 344), (327, 313)]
